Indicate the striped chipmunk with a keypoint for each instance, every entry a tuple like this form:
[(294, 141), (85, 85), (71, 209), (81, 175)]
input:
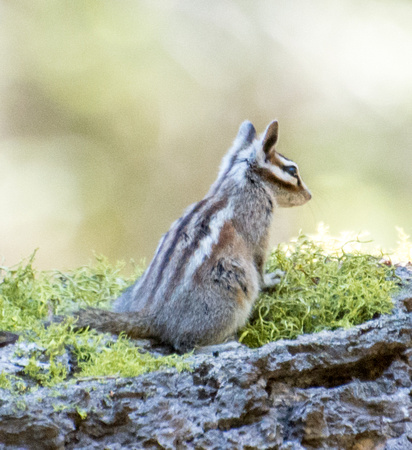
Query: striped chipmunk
[(209, 267)]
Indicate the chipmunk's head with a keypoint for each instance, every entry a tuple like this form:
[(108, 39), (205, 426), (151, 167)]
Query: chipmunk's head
[(252, 159), (279, 173)]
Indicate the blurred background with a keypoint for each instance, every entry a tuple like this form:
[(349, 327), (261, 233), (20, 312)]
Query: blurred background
[(114, 116)]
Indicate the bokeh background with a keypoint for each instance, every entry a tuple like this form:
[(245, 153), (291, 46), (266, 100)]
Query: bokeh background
[(114, 116)]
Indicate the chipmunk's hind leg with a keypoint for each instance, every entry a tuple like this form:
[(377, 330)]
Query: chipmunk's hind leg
[(195, 319), (214, 310)]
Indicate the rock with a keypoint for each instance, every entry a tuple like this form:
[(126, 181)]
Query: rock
[(343, 389), (7, 338)]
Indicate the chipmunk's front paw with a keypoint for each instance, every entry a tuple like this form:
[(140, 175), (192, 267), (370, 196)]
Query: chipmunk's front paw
[(272, 279)]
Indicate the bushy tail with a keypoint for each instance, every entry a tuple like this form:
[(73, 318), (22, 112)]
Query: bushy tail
[(132, 324)]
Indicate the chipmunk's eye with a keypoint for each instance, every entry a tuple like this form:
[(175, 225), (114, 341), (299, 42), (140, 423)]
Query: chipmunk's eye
[(291, 170)]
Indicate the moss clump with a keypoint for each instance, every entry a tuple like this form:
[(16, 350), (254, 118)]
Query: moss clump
[(121, 357), (28, 298), (324, 288), (13, 383)]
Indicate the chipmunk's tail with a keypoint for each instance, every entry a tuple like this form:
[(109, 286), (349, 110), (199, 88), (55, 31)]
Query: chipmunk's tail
[(132, 324)]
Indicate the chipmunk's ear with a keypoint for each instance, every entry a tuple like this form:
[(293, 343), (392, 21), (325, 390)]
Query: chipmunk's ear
[(270, 136), (246, 133)]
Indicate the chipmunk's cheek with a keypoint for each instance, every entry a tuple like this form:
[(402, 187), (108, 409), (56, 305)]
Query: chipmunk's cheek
[(289, 199), (285, 200)]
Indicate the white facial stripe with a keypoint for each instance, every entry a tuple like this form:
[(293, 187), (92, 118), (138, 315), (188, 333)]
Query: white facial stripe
[(286, 162), (277, 171), (282, 175)]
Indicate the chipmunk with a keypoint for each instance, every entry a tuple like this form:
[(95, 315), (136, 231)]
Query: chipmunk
[(209, 267)]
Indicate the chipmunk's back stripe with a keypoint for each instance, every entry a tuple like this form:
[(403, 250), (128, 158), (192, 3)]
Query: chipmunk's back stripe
[(203, 231), (204, 250), (167, 254)]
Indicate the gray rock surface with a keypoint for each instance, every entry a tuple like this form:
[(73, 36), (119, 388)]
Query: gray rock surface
[(346, 389)]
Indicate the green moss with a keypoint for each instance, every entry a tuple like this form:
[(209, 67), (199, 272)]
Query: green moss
[(5, 381), (13, 383), (60, 408), (54, 373), (81, 412), (21, 405), (121, 357), (325, 287), (28, 298)]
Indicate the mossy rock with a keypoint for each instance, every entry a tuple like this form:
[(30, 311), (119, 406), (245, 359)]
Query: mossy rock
[(322, 289)]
